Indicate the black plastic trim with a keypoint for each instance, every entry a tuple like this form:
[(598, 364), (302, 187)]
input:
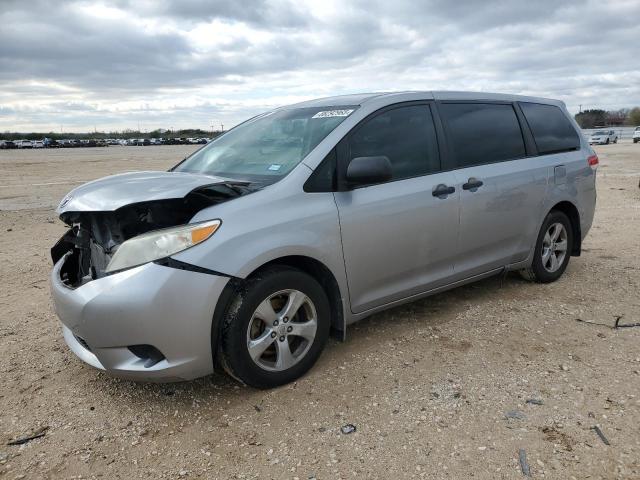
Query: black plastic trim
[(222, 306), (173, 263)]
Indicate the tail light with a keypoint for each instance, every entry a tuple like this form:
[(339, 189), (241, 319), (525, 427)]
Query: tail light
[(593, 161)]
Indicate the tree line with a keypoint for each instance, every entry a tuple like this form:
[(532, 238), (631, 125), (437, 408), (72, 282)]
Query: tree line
[(126, 134), (601, 118)]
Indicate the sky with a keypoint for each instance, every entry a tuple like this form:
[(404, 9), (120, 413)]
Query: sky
[(76, 66)]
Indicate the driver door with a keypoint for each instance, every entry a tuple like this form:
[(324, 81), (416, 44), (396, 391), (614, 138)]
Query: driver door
[(399, 237)]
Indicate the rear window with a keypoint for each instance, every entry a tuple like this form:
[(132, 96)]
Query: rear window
[(482, 132), (552, 130)]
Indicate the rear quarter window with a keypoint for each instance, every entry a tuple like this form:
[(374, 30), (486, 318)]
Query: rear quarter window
[(552, 131)]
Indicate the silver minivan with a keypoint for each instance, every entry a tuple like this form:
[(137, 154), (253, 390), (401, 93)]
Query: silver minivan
[(248, 254)]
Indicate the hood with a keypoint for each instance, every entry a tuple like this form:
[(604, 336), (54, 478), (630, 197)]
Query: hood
[(107, 212), (111, 193)]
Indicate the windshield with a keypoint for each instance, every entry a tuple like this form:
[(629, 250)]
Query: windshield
[(599, 132), (267, 147)]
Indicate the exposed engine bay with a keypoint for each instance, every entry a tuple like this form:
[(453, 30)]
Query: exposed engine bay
[(95, 236)]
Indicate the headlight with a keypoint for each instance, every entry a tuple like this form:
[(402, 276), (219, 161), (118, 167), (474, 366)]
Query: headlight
[(160, 243)]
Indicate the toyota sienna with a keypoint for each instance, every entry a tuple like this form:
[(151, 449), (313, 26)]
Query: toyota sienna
[(293, 225)]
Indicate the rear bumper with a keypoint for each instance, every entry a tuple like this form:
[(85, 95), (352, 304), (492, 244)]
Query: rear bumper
[(167, 308)]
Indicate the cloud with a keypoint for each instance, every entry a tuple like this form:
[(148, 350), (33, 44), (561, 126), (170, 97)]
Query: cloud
[(190, 63)]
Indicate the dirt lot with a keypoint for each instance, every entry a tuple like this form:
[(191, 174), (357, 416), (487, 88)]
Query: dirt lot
[(440, 388)]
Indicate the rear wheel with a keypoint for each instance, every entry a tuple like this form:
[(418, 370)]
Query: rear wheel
[(553, 249), (275, 328), (607, 142)]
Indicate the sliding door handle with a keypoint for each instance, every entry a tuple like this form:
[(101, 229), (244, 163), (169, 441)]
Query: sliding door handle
[(472, 184)]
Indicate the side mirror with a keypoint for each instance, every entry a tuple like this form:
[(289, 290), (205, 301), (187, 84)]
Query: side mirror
[(368, 170)]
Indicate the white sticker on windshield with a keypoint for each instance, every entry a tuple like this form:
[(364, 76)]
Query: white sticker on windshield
[(275, 167), (333, 113)]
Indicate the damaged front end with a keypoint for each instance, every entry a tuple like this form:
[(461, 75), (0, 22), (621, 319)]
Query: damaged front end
[(95, 235)]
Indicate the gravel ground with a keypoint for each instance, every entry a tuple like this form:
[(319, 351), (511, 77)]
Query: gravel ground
[(453, 386)]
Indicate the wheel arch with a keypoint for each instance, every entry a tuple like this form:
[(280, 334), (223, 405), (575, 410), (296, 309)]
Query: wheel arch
[(323, 275), (319, 271), (571, 211)]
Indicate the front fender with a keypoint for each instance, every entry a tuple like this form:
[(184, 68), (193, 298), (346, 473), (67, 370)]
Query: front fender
[(265, 226)]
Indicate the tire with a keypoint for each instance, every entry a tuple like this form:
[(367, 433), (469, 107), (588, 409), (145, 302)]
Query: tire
[(615, 140), (607, 142), (283, 348), (543, 267)]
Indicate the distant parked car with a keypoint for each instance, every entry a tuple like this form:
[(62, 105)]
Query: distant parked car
[(636, 135), (8, 144), (37, 144), (603, 137), (24, 143)]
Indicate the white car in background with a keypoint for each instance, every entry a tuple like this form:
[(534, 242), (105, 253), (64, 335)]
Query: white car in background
[(636, 135), (603, 137), (24, 144)]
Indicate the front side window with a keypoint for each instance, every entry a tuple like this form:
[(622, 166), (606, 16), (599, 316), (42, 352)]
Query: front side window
[(552, 131), (405, 135), (266, 148), (482, 133)]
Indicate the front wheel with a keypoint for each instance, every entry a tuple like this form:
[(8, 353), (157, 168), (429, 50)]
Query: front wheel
[(553, 249), (275, 328)]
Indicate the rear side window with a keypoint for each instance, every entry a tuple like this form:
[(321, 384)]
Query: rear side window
[(552, 130), (482, 132), (406, 135)]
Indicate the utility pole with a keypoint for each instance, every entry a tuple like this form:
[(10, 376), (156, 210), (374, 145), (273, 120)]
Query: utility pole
[(580, 109), (221, 127)]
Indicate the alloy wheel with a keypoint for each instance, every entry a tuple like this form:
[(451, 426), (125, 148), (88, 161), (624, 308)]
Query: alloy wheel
[(282, 330), (554, 247)]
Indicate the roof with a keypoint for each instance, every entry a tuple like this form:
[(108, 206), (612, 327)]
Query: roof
[(361, 98), (338, 100)]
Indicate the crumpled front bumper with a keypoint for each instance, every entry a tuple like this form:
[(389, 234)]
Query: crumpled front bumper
[(167, 308)]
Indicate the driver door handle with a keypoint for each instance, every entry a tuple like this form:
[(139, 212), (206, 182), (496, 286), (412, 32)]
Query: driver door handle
[(442, 190)]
